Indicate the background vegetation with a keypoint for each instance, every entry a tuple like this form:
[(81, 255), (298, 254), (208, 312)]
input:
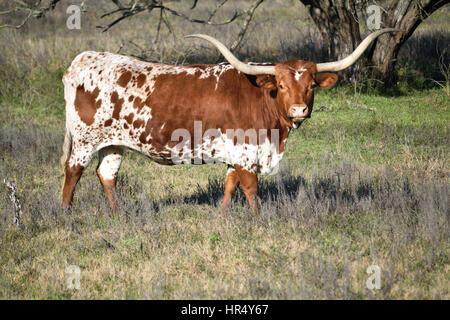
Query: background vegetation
[(364, 181)]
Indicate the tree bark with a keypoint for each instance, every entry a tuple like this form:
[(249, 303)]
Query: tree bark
[(339, 25), (405, 15)]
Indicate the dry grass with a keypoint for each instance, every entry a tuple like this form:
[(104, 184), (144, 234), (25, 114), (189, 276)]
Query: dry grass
[(365, 181), (317, 233)]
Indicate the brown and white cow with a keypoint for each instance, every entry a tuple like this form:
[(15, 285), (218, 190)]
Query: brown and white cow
[(115, 102)]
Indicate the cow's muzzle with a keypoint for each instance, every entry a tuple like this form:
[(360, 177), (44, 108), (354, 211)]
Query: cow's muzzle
[(298, 112)]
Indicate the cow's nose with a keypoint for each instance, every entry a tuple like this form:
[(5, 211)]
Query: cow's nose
[(298, 111), (301, 109)]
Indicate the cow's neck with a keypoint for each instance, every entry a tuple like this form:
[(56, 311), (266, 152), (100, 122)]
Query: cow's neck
[(275, 120)]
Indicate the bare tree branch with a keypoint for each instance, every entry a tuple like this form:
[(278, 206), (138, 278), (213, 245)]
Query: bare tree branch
[(159, 26), (213, 13), (31, 10), (7, 11), (194, 4), (167, 23), (19, 25), (249, 14), (135, 7), (132, 8), (149, 5), (182, 15)]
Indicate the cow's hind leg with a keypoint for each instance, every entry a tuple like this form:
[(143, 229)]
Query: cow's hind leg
[(74, 166), (71, 177), (249, 184), (109, 162), (231, 183)]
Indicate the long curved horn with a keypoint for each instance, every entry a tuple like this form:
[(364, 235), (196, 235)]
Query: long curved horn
[(235, 62), (351, 59)]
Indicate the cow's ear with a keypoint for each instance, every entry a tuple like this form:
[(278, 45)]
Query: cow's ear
[(266, 81), (326, 80)]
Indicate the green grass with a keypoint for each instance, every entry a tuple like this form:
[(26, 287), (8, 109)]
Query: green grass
[(364, 181), (315, 236), (380, 127)]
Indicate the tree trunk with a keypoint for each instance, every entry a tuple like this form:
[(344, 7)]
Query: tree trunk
[(405, 15), (339, 28), (339, 25)]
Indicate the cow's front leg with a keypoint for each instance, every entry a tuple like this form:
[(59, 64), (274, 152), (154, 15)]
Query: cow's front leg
[(231, 183), (109, 161), (249, 184)]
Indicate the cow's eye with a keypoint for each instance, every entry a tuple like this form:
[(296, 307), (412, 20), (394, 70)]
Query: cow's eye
[(313, 85), (281, 86)]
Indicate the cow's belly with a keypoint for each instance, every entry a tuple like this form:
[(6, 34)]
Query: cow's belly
[(263, 159)]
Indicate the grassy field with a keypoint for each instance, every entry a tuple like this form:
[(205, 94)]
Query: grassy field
[(364, 182)]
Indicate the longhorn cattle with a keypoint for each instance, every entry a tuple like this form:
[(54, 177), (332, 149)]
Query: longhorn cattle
[(235, 113)]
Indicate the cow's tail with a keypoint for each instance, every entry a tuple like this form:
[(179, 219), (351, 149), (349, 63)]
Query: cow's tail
[(66, 148)]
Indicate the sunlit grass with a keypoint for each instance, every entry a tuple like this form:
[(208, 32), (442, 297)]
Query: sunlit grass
[(364, 181)]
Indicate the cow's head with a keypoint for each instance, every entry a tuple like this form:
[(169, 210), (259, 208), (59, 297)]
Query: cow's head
[(293, 82), (293, 88)]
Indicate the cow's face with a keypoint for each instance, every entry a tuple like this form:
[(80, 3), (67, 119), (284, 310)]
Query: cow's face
[(294, 84)]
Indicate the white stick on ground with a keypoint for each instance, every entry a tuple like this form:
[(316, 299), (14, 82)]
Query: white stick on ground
[(15, 200)]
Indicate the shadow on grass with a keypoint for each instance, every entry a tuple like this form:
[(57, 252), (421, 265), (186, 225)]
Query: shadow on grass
[(213, 192), (283, 189)]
